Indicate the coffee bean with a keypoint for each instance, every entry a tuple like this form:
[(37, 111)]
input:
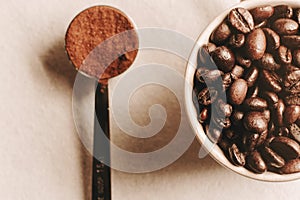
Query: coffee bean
[(241, 19), (255, 122), (223, 109), (255, 44), (244, 62), (291, 41), (285, 26), (271, 98), (292, 166), (220, 34), (255, 104), (291, 114), (267, 115), (238, 91), (227, 80), (237, 40), (262, 24), (272, 158), (273, 39), (271, 81), (293, 99), (210, 47), (268, 62), (236, 157), (255, 162), (295, 131), (224, 58), (237, 117), (284, 55), (251, 76), (279, 112), (262, 13), (250, 141), (296, 57), (285, 147), (291, 80), (282, 11), (237, 72), (203, 116), (207, 96)]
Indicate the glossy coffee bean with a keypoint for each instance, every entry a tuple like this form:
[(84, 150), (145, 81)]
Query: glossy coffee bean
[(237, 91), (255, 162), (203, 116), (237, 117), (271, 98), (237, 40), (291, 79), (285, 147), (291, 114), (295, 131), (255, 104), (241, 19), (237, 72), (296, 57), (210, 47), (278, 112), (292, 166), (293, 99), (271, 81), (268, 62), (291, 41), (282, 11), (272, 158), (220, 34), (273, 39), (236, 157), (262, 13), (251, 76), (267, 114), (285, 26), (226, 80), (255, 45), (242, 61), (284, 55), (262, 24), (255, 122), (224, 58)]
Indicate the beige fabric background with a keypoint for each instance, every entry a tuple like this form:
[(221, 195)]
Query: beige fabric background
[(41, 156)]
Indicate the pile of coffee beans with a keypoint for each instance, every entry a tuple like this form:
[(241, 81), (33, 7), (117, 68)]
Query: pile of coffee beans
[(253, 57)]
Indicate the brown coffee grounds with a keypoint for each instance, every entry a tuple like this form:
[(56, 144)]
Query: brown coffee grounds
[(101, 42)]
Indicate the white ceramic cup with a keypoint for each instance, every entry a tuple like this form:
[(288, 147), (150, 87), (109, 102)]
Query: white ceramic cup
[(214, 151)]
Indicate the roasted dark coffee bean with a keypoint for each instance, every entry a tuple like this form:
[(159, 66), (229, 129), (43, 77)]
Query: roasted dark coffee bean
[(291, 79), (272, 158), (224, 58), (210, 76), (227, 80), (262, 138), (279, 111), (207, 96), (250, 141), (267, 62), (223, 109), (255, 162), (220, 34), (292, 166), (291, 114), (296, 57), (255, 104), (210, 47), (285, 147), (262, 24), (282, 11), (267, 114), (285, 26), (213, 134), (295, 131), (237, 40), (293, 99), (244, 62), (237, 117), (262, 13), (241, 19), (271, 81), (284, 55), (255, 122), (236, 157), (237, 72), (271, 98), (273, 39), (204, 115), (237, 91), (291, 41), (251, 76), (255, 44)]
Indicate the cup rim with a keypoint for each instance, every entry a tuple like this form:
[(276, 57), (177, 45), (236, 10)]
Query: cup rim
[(213, 150)]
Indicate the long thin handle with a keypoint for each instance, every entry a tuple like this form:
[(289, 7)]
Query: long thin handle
[(101, 186)]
